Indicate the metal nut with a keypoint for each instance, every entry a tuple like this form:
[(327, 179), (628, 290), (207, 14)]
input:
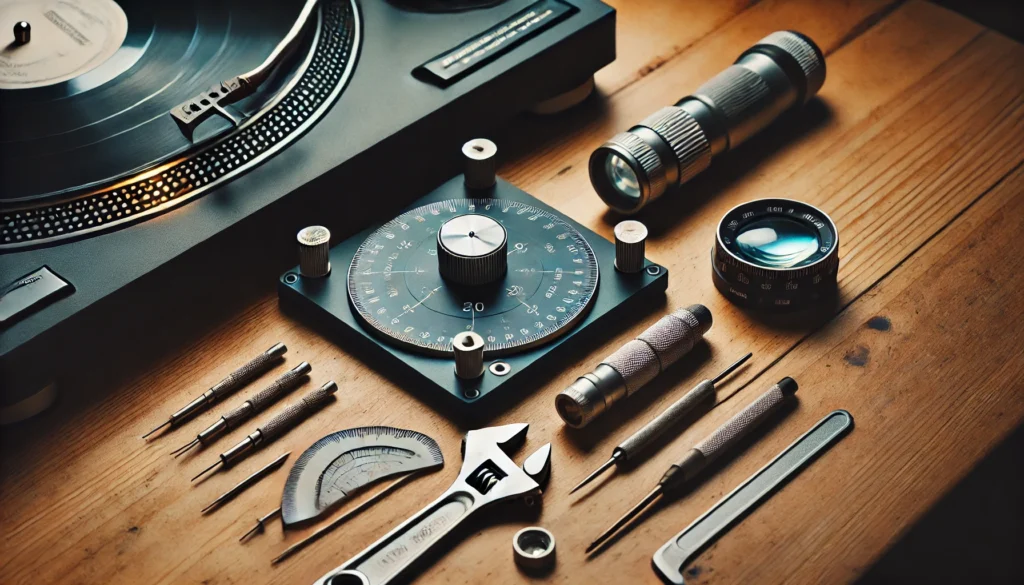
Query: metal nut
[(534, 548)]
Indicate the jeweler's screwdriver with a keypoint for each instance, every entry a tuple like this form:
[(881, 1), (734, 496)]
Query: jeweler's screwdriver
[(643, 438), (702, 453), (246, 483), (275, 427), (248, 409), (231, 383)]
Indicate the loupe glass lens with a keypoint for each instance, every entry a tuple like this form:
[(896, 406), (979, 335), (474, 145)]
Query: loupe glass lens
[(622, 178), (777, 242)]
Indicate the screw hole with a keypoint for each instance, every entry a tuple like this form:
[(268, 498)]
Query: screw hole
[(291, 278), (500, 368), (478, 148), (472, 393), (654, 270)]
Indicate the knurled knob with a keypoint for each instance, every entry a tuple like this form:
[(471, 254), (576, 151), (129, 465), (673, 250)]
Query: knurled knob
[(630, 242), (480, 155), (314, 251), (472, 250), (469, 355)]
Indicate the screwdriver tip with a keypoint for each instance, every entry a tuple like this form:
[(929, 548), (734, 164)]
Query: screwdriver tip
[(203, 472), (731, 368), (251, 532), (162, 425), (182, 450), (597, 472)]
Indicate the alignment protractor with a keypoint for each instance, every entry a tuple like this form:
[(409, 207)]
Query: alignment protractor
[(472, 292), (341, 463), (516, 274)]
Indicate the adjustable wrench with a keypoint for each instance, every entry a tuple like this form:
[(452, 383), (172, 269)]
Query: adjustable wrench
[(487, 476)]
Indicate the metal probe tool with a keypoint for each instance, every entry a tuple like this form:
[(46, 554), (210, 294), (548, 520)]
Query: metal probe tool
[(231, 383), (633, 365), (643, 438), (247, 483), (705, 451), (259, 402), (275, 427)]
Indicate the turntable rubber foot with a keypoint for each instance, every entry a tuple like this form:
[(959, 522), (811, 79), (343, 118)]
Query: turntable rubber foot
[(564, 101), (30, 406)]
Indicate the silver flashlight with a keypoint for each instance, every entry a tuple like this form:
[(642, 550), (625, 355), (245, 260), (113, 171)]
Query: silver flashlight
[(782, 71)]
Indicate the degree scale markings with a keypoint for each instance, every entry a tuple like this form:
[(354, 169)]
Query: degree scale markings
[(396, 291)]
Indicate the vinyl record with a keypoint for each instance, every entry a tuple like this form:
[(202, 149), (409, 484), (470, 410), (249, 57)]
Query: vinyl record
[(85, 101)]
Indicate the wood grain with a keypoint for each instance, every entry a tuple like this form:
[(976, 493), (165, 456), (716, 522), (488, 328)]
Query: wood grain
[(915, 150)]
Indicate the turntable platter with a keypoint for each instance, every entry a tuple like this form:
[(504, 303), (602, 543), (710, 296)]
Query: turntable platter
[(97, 87), (69, 38)]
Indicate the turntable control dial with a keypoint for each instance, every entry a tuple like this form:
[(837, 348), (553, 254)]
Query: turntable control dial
[(472, 250), (516, 275)]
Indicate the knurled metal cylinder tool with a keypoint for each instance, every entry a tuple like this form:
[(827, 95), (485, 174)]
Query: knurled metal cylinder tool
[(634, 365)]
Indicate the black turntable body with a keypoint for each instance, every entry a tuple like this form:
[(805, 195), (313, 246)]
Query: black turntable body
[(108, 199)]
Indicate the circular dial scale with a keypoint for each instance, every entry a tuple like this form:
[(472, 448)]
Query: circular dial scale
[(397, 289)]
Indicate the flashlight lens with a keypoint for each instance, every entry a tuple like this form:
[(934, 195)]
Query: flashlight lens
[(778, 242), (622, 177)]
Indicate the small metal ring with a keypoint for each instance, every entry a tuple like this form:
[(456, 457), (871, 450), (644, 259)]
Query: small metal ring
[(291, 278), (471, 393), (654, 270), (534, 548), (500, 368)]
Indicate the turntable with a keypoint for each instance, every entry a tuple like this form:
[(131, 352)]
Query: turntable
[(136, 135)]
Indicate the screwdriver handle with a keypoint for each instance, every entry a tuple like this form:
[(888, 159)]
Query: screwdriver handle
[(246, 373), (743, 421), (295, 413), (288, 381), (641, 439), (728, 434)]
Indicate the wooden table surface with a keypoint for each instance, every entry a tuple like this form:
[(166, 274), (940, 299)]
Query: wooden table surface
[(915, 150)]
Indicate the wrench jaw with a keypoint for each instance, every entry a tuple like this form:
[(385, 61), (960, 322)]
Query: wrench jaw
[(509, 438), (488, 472), (538, 466)]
